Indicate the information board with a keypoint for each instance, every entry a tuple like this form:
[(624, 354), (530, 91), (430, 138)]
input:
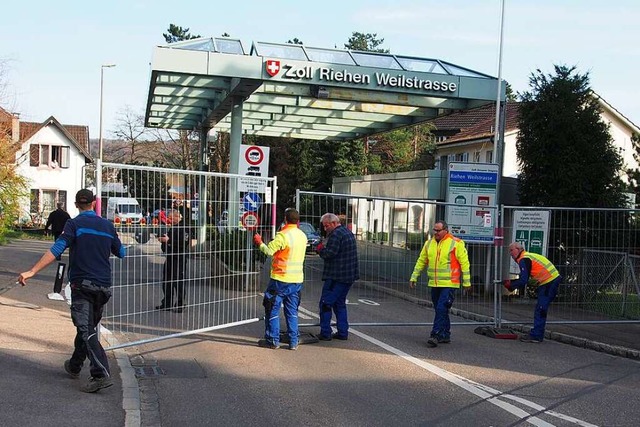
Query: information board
[(471, 193)]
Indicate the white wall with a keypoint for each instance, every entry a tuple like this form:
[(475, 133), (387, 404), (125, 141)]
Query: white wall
[(621, 134), (510, 160)]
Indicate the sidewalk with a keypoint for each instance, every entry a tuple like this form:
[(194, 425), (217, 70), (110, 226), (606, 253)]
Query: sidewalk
[(36, 337)]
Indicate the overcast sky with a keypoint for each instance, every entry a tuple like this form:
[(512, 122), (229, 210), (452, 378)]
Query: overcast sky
[(53, 50)]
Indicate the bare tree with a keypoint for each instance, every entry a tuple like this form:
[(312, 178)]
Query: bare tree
[(178, 149), (130, 134), (219, 152)]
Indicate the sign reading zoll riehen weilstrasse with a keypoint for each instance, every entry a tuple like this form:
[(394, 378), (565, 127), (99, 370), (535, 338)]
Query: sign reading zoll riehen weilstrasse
[(359, 76)]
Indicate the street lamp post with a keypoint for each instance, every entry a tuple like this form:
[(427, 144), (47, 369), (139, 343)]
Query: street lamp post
[(101, 99), (99, 163)]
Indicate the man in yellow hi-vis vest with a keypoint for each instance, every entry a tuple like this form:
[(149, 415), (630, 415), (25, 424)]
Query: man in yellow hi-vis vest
[(447, 263), (547, 278)]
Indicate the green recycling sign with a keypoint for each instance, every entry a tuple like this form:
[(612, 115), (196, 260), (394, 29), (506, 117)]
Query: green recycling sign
[(531, 229)]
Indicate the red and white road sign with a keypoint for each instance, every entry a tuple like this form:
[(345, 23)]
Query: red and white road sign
[(250, 220), (272, 66), (254, 155)]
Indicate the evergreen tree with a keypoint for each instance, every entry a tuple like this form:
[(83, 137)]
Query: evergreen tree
[(564, 148), (366, 42), (176, 33)]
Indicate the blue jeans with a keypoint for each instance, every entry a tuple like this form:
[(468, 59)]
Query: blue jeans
[(334, 297), (546, 294), (442, 299), (277, 294)]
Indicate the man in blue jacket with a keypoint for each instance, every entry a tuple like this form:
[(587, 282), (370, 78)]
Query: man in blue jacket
[(91, 240)]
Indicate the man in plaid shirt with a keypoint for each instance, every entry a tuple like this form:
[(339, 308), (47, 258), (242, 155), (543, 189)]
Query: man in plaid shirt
[(340, 257)]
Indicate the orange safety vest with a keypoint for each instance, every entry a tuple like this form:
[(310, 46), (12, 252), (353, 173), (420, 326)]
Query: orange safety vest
[(542, 270)]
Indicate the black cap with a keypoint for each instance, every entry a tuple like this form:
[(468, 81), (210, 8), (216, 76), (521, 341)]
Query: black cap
[(84, 196)]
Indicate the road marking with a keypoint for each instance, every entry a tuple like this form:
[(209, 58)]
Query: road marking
[(486, 393)]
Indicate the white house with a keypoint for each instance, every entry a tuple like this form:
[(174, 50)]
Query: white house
[(52, 156), (468, 136)]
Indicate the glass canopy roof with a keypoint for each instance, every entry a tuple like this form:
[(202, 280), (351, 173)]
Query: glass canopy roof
[(297, 91), (329, 56)]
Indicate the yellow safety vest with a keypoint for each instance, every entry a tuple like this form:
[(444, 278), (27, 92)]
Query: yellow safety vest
[(447, 263)]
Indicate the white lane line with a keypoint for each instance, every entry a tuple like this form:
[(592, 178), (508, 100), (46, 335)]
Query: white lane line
[(484, 392)]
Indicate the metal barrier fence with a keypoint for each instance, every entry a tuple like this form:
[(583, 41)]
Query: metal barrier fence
[(390, 234), (596, 251), (220, 281)]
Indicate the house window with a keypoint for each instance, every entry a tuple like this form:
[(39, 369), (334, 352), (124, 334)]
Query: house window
[(489, 156), (443, 162), (476, 157), (441, 138), (462, 157), (48, 200), (44, 201), (53, 156)]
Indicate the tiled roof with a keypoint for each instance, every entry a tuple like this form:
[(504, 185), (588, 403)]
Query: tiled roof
[(27, 129), (464, 119), (78, 135), (477, 123)]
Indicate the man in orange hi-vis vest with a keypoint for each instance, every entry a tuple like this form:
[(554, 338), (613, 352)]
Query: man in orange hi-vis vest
[(547, 280)]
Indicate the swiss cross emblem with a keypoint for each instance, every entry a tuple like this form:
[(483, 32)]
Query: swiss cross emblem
[(273, 67)]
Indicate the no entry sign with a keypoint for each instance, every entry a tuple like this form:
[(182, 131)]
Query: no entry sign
[(250, 220)]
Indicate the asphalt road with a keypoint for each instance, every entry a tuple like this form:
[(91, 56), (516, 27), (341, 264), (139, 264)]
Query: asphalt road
[(381, 376)]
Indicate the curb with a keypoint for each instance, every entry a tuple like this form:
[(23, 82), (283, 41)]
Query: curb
[(130, 388)]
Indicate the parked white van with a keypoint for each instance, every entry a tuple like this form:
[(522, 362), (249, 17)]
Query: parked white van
[(124, 210)]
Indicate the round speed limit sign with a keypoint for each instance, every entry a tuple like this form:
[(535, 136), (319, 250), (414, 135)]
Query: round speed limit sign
[(250, 220)]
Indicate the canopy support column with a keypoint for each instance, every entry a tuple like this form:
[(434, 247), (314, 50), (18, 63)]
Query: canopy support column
[(235, 137)]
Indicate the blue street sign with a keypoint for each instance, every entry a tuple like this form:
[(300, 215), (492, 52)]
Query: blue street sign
[(251, 202)]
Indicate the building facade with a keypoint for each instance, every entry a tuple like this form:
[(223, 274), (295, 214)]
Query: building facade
[(53, 158)]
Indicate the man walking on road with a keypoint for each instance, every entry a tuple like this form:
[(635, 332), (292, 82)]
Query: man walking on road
[(547, 280), (287, 250), (340, 255), (56, 220), (91, 240), (447, 263)]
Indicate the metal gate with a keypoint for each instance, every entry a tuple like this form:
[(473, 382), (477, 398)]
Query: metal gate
[(596, 253), (220, 283)]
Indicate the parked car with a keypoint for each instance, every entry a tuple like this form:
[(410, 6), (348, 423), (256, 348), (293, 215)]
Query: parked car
[(313, 236)]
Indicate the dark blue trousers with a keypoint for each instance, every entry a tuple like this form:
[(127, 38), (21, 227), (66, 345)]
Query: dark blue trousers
[(87, 303), (334, 299), (281, 294), (442, 299), (546, 294)]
